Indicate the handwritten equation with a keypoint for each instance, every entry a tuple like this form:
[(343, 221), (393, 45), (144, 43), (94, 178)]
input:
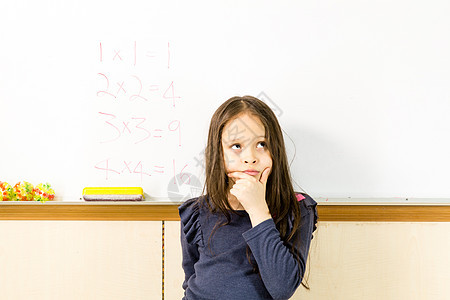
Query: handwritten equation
[(140, 169), (132, 89), (139, 127), (132, 54)]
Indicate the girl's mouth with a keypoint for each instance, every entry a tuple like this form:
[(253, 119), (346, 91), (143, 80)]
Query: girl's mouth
[(251, 172)]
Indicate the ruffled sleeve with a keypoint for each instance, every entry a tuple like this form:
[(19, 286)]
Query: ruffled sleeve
[(308, 209), (191, 237), (190, 221), (308, 212)]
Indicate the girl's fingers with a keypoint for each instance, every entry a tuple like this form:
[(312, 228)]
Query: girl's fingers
[(265, 175)]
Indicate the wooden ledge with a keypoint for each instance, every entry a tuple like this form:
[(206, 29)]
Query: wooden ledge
[(96, 212), (169, 212), (384, 213)]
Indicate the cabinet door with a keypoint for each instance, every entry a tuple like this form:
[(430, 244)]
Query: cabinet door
[(173, 272), (80, 259)]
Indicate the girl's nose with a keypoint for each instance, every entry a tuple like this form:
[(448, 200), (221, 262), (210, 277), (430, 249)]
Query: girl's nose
[(249, 156)]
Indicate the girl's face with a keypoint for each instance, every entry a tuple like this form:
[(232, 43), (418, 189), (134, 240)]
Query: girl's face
[(244, 146)]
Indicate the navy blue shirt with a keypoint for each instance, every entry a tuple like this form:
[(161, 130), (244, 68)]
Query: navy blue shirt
[(218, 268)]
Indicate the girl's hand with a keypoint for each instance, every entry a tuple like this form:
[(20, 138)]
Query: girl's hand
[(251, 193)]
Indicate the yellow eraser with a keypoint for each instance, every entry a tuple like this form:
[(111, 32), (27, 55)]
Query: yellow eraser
[(113, 191)]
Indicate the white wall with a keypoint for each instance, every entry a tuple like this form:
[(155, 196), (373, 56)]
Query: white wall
[(361, 90)]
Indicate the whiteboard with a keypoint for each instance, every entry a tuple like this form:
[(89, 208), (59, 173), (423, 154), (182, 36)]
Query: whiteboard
[(113, 93)]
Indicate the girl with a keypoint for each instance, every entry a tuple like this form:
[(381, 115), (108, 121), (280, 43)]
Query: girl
[(248, 237)]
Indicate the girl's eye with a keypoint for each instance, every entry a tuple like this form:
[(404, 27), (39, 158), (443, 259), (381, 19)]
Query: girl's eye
[(237, 146)]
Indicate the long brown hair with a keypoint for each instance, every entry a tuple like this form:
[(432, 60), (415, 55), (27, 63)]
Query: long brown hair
[(280, 195)]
